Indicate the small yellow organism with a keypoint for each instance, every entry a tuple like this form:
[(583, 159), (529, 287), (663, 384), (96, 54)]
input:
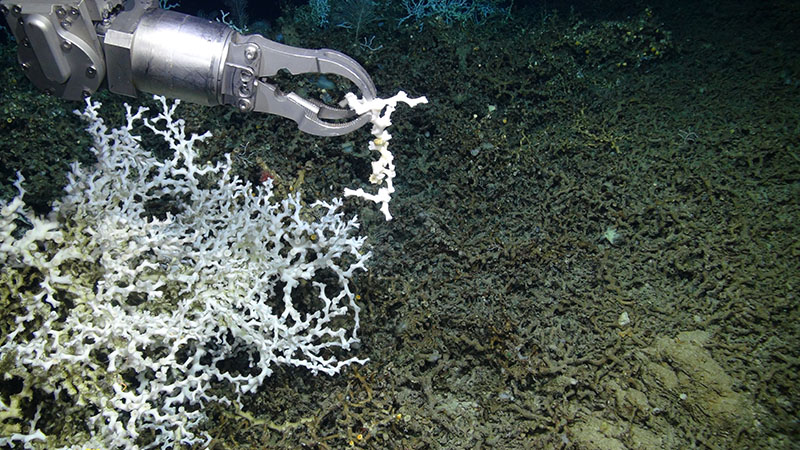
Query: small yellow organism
[(122, 383)]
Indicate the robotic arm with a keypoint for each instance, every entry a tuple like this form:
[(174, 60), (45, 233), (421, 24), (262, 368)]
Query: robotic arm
[(69, 47)]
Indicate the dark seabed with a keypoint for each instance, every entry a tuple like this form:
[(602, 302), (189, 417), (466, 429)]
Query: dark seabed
[(595, 235)]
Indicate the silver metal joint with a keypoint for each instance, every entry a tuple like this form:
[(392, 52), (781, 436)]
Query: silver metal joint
[(244, 105), (178, 55), (251, 52)]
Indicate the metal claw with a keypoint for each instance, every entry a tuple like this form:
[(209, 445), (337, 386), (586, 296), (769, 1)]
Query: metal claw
[(268, 57)]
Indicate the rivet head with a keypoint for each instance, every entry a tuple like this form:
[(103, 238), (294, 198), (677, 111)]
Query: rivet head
[(251, 52), (91, 72), (16, 9), (66, 24), (61, 12), (244, 105), (66, 46)]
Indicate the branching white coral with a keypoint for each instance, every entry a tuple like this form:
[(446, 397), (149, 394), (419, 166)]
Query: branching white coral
[(383, 173), (149, 274)]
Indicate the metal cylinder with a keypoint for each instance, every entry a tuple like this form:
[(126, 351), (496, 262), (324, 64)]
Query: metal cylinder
[(181, 56)]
